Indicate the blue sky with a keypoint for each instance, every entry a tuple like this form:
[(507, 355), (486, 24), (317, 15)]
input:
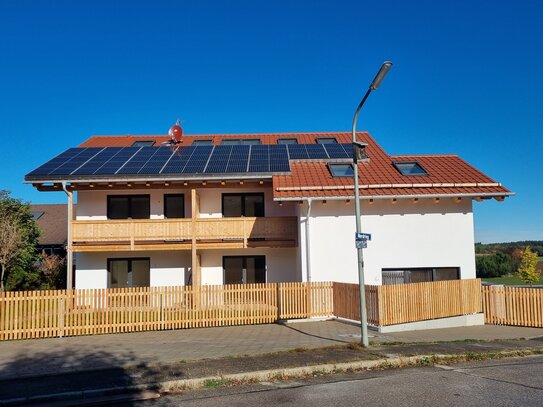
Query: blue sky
[(466, 79)]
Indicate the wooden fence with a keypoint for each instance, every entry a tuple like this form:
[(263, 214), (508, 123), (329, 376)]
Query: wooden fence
[(42, 314), (513, 306), (397, 304)]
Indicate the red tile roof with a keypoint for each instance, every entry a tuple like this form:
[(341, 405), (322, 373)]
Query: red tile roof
[(447, 174)]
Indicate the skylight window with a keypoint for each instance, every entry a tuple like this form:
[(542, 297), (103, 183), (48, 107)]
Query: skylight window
[(326, 140), (202, 142), (341, 170), (143, 143), (287, 141), (410, 168), (235, 142)]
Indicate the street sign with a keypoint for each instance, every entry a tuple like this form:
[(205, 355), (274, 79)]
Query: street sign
[(361, 244), (362, 236)]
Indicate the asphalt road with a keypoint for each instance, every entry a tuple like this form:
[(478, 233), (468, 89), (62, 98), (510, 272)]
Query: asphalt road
[(506, 382)]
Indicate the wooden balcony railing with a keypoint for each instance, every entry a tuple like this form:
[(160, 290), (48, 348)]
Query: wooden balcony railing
[(208, 232)]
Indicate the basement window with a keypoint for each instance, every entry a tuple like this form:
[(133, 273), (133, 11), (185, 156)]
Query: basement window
[(419, 275), (341, 170), (410, 168), (143, 143)]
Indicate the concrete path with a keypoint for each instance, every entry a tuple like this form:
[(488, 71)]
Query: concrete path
[(65, 355)]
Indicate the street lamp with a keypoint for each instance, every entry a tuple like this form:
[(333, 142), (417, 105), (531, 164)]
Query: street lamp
[(357, 150)]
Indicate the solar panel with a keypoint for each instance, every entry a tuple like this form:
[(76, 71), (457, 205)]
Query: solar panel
[(218, 160), (297, 152), (335, 150), (55, 162), (157, 161), (279, 158), (75, 162), (178, 160), (316, 151), (259, 160), (137, 161), (239, 159), (196, 159)]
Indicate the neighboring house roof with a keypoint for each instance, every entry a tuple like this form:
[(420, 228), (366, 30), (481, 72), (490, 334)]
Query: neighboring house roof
[(52, 219), (447, 175)]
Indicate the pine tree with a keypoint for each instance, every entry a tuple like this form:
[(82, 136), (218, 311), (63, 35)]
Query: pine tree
[(527, 269)]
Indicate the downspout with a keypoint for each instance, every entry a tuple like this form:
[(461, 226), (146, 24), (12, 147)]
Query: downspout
[(307, 242), (69, 252)]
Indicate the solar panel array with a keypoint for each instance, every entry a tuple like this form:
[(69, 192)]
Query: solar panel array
[(200, 159)]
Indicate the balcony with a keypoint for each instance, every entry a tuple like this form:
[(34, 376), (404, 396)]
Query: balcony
[(180, 234)]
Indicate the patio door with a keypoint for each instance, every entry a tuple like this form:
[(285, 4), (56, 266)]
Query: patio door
[(125, 273), (244, 269)]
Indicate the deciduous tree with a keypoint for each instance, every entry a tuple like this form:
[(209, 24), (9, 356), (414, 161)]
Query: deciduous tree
[(527, 269)]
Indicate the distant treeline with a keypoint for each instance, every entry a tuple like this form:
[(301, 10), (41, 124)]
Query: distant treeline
[(502, 259), (509, 247)]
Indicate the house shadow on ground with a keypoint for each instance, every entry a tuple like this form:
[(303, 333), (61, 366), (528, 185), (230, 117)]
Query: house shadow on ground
[(56, 372)]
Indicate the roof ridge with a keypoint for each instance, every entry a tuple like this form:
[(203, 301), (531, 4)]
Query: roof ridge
[(423, 155), (232, 134)]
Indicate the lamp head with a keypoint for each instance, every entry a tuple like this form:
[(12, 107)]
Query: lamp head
[(380, 75)]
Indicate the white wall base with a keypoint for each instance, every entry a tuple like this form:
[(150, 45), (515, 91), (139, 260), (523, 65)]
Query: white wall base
[(452, 322)]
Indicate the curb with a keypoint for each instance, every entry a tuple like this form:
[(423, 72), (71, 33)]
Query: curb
[(249, 377)]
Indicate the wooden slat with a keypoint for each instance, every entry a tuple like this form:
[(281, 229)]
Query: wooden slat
[(513, 306)]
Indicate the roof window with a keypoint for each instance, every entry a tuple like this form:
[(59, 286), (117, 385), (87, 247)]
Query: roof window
[(326, 140), (234, 141), (202, 142), (410, 168), (143, 143), (287, 141), (341, 170)]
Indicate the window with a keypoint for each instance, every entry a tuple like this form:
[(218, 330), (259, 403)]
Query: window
[(124, 273), (128, 207), (143, 143), (326, 140), (37, 214), (202, 142), (236, 205), (244, 269), (174, 206), (234, 141), (287, 141), (341, 170), (410, 168), (420, 275)]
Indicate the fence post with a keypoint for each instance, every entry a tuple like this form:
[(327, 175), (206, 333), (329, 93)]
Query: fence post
[(278, 300)]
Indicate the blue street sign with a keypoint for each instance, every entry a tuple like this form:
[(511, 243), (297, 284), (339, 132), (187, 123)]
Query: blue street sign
[(362, 236)]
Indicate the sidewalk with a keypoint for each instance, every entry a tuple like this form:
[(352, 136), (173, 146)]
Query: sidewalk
[(45, 366)]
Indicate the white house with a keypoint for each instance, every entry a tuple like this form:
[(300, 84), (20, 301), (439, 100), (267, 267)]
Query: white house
[(220, 209)]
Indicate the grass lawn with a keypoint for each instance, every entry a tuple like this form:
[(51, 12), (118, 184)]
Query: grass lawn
[(512, 280)]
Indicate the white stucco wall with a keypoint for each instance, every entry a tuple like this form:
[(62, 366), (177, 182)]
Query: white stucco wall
[(211, 202), (281, 264), (167, 268), (404, 234), (92, 205)]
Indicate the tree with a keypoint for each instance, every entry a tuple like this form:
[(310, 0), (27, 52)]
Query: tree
[(53, 270), (18, 239), (527, 269)]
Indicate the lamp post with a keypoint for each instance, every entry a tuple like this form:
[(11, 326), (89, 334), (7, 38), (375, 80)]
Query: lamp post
[(356, 150)]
